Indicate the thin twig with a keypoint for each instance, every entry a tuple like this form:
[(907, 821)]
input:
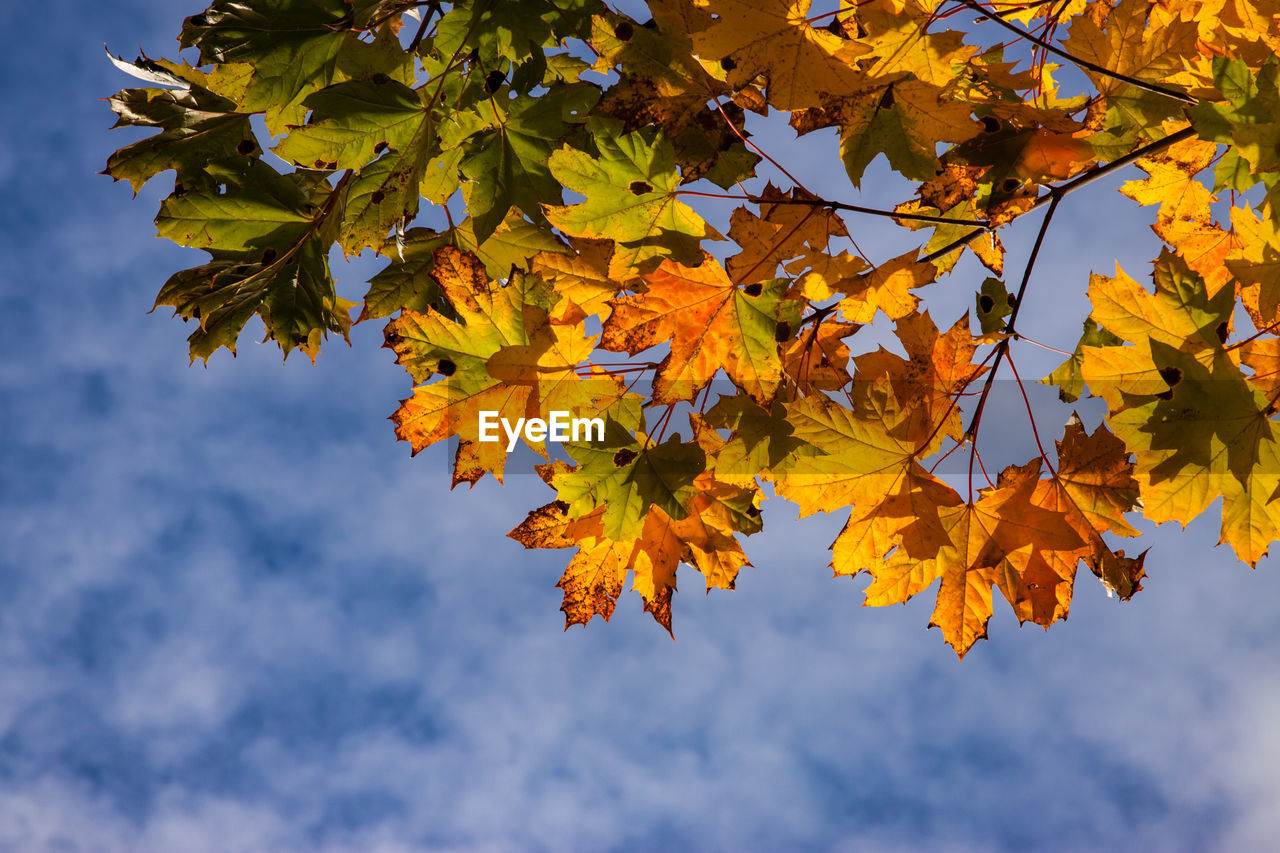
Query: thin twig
[(1031, 417), (1002, 347)]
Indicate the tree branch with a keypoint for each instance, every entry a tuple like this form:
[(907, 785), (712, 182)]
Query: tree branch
[(982, 224)]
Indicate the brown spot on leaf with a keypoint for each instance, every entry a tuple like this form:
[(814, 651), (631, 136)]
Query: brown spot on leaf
[(753, 289), (624, 457), (319, 164), (246, 146), (782, 331), (640, 187), (269, 256), (561, 507), (380, 147), (624, 31), (1172, 375), (1010, 184), (986, 303), (377, 197), (1223, 332), (728, 64), (990, 124), (446, 367), (493, 81), (752, 511), (1165, 395)]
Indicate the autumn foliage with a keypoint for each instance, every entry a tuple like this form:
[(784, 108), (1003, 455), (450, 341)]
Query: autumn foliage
[(573, 150)]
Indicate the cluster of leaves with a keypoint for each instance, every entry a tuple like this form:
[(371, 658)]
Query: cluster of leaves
[(377, 112)]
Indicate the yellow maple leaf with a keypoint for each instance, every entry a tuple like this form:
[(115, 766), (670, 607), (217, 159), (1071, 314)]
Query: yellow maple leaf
[(780, 233), (937, 367), (1256, 264), (1171, 182), (773, 38), (988, 543)]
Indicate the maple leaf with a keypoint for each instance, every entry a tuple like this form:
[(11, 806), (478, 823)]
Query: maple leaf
[(780, 233), (500, 354), (352, 122), (1094, 486), (1136, 40), (1256, 264), (1171, 182), (196, 126), (630, 189), (901, 44), (266, 236), (1248, 120), (938, 367), (710, 323), (287, 50), (901, 121), (988, 543), (993, 303), (581, 279), (774, 38), (1180, 313), (850, 456), (507, 142), (885, 288), (665, 85), (596, 576)]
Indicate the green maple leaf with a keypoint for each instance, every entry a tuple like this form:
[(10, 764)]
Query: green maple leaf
[(994, 304), (903, 123), (288, 50), (353, 122), (626, 478), (1249, 121), (292, 45), (269, 237), (196, 126), (516, 31), (631, 196), (506, 145)]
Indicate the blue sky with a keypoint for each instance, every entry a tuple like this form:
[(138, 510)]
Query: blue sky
[(236, 616)]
